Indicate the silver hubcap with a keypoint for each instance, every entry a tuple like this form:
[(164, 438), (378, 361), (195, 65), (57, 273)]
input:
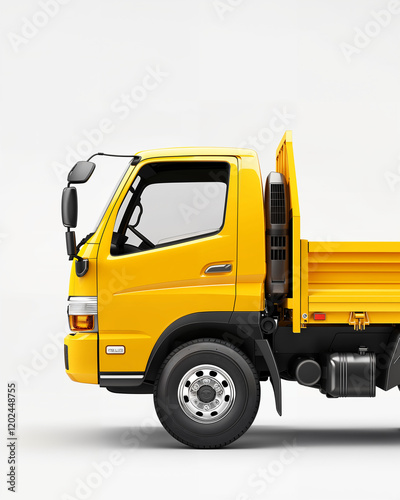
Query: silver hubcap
[(206, 393)]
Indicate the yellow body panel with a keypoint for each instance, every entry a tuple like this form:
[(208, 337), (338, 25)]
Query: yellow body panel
[(304, 312), (251, 237), (285, 166), (141, 294), (82, 357), (86, 285)]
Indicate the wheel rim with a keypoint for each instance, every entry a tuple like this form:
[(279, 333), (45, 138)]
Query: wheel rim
[(206, 394)]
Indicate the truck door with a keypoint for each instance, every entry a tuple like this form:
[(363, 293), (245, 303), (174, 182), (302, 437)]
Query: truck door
[(168, 251)]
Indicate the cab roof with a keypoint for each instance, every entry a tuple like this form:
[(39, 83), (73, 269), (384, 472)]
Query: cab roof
[(203, 151)]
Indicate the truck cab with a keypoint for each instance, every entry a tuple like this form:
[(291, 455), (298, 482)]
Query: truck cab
[(195, 286)]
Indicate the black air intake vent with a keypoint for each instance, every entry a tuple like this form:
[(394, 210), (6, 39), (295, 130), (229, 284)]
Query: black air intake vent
[(278, 204), (278, 241), (278, 254), (277, 237)]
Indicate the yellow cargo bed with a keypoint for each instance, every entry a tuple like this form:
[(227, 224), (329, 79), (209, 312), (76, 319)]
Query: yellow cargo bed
[(354, 283), (339, 282)]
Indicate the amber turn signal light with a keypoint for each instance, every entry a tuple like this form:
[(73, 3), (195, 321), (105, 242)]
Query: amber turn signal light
[(81, 322)]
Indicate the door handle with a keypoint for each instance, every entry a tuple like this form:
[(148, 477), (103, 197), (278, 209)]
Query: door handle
[(219, 268)]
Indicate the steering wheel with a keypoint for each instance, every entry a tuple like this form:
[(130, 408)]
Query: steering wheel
[(141, 236)]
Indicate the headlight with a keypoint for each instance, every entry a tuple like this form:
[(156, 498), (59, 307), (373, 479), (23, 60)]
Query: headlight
[(82, 313)]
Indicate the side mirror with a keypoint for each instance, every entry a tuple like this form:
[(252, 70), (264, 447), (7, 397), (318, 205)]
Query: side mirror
[(81, 172), (69, 207)]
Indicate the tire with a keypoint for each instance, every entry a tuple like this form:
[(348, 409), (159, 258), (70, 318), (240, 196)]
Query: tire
[(207, 393)]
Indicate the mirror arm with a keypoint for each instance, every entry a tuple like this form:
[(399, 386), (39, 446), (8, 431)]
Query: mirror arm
[(135, 159), (72, 254), (81, 265)]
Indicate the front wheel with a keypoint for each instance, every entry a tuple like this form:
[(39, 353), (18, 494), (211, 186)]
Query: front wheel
[(207, 393)]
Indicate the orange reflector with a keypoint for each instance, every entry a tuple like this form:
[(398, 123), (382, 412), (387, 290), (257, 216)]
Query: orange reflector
[(319, 316), (81, 322)]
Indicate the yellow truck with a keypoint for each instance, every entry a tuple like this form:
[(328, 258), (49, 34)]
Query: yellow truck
[(195, 286)]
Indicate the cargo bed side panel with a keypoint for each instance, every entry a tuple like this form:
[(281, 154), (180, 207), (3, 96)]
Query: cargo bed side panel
[(349, 278)]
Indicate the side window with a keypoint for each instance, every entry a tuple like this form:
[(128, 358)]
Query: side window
[(171, 203)]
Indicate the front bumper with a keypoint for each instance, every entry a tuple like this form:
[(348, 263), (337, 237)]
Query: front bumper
[(80, 352)]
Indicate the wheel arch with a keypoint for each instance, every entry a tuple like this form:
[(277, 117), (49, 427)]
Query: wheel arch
[(220, 325)]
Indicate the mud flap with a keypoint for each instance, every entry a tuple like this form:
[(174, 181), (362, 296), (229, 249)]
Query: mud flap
[(266, 351), (390, 376)]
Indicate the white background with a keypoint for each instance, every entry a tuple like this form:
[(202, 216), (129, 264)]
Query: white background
[(225, 69)]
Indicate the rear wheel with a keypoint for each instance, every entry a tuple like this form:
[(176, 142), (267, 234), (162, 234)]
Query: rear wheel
[(207, 393)]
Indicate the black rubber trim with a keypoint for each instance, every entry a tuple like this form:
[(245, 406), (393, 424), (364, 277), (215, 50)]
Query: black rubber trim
[(143, 388), (120, 373), (106, 379), (66, 360)]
